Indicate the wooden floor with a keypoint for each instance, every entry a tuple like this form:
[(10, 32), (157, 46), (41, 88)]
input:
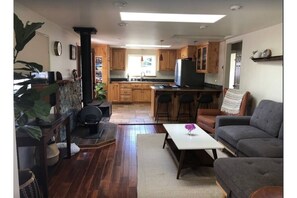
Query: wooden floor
[(107, 172)]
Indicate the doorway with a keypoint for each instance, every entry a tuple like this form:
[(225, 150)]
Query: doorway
[(234, 64)]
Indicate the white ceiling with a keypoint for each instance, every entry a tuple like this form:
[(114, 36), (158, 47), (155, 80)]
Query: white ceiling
[(104, 16)]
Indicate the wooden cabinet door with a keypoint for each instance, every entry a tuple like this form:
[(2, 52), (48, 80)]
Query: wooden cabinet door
[(118, 59), (207, 57), (171, 60), (146, 95), (114, 92), (188, 52), (137, 95), (168, 62), (164, 62)]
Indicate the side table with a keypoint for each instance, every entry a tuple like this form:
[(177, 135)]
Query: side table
[(49, 129)]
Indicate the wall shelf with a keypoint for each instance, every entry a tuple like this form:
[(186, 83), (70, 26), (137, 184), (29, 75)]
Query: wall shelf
[(271, 58)]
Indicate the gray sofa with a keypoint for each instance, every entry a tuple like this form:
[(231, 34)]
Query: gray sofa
[(240, 177), (259, 135), (257, 140)]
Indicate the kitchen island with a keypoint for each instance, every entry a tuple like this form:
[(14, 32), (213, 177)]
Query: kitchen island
[(176, 92)]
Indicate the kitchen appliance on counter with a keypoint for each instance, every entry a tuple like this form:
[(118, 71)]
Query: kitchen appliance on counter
[(185, 74)]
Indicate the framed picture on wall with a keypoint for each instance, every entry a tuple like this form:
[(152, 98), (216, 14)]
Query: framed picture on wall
[(72, 52), (98, 61)]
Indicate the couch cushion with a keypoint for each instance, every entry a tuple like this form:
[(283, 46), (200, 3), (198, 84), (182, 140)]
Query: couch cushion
[(268, 116), (207, 120), (239, 177), (261, 147), (233, 133)]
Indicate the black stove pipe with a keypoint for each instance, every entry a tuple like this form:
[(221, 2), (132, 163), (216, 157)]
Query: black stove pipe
[(85, 42)]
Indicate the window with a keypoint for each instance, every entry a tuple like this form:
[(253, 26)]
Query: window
[(136, 66)]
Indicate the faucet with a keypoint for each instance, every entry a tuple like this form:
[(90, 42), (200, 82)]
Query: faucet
[(142, 74)]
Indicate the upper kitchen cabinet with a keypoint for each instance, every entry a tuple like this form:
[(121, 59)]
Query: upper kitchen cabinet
[(168, 62), (118, 59), (207, 57), (188, 52)]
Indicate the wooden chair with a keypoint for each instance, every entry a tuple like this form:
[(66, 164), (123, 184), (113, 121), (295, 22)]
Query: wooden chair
[(206, 118)]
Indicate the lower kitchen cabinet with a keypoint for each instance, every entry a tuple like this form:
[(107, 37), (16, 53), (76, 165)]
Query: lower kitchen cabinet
[(114, 92), (141, 95), (125, 92)]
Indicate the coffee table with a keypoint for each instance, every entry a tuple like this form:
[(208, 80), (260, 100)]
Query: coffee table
[(199, 140)]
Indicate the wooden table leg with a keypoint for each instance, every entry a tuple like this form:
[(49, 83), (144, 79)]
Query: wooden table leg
[(214, 152), (181, 162), (43, 166), (166, 136), (68, 138)]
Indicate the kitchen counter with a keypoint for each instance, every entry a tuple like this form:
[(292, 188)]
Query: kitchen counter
[(175, 92), (138, 80)]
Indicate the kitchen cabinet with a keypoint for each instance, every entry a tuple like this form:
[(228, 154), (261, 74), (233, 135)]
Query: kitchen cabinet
[(118, 59), (168, 62), (114, 92), (125, 92), (188, 52), (207, 57), (141, 92)]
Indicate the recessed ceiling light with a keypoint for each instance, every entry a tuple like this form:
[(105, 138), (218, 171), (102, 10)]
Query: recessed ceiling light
[(122, 24), (164, 17), (203, 26), (148, 46), (120, 4), (235, 7)]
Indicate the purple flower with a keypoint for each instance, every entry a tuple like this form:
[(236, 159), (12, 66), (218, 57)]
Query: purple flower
[(190, 127)]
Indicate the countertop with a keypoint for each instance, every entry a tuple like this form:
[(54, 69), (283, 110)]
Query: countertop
[(137, 80), (174, 88)]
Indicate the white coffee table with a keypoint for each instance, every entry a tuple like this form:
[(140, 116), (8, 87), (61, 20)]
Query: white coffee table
[(199, 140)]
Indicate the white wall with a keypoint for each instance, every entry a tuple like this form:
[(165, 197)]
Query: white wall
[(55, 33), (264, 80)]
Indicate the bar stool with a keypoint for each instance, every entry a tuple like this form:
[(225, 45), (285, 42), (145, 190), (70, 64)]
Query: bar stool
[(163, 99), (204, 100), (185, 100)]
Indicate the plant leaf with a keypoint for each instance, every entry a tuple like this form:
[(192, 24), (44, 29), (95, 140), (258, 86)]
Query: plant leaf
[(21, 91), (24, 34), (50, 89), (34, 131), (34, 67)]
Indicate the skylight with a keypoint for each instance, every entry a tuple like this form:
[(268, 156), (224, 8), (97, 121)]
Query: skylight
[(166, 17)]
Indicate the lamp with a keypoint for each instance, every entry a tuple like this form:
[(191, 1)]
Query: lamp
[(161, 55)]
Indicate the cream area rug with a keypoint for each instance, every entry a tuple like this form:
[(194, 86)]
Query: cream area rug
[(156, 173)]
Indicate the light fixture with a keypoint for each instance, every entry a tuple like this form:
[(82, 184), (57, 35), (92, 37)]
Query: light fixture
[(161, 55), (120, 4), (203, 26), (169, 17), (235, 7), (122, 24)]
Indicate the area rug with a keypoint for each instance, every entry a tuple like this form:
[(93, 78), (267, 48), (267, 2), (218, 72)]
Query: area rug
[(81, 136), (156, 173)]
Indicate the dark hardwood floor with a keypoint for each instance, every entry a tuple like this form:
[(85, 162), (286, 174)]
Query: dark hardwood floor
[(110, 171)]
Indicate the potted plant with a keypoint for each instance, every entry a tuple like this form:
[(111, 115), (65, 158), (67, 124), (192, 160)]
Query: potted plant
[(28, 102), (100, 91)]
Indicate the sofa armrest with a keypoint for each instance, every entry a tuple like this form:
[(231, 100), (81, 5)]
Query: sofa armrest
[(210, 112), (232, 120)]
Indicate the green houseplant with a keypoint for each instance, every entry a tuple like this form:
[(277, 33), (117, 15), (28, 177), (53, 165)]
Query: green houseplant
[(100, 91), (28, 102)]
